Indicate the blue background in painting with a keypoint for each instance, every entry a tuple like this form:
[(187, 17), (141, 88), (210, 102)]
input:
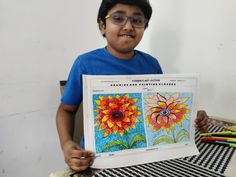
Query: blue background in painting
[(151, 135), (101, 141)]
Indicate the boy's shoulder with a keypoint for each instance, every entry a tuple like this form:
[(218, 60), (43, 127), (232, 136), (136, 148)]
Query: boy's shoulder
[(144, 55), (96, 52), (90, 55)]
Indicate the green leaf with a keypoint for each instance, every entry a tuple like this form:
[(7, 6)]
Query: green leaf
[(163, 138), (136, 139), (181, 135), (115, 143)]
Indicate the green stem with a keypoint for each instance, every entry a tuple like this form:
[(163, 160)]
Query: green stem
[(126, 134), (173, 132)]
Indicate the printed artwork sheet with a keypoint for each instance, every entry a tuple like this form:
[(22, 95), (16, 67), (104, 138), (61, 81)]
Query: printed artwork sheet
[(136, 119)]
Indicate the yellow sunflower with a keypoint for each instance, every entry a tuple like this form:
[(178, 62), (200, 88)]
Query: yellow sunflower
[(116, 114)]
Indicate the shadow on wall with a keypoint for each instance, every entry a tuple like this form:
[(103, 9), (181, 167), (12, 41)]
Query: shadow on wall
[(166, 45), (165, 34)]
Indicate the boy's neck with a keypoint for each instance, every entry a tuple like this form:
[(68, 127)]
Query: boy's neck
[(121, 55)]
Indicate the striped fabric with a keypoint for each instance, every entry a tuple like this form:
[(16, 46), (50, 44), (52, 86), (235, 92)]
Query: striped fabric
[(211, 162), (212, 156), (170, 168)]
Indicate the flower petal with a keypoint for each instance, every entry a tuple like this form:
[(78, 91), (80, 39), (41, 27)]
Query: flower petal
[(121, 131), (161, 98), (107, 132), (105, 118), (162, 104), (110, 123), (98, 102)]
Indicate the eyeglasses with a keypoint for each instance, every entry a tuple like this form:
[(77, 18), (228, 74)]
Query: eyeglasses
[(138, 21)]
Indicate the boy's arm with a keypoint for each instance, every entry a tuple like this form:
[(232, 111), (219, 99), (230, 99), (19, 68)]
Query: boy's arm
[(65, 123), (76, 157)]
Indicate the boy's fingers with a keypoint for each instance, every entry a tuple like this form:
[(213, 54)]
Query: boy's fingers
[(81, 153), (83, 157), (201, 115), (202, 118), (91, 154), (202, 122), (78, 169), (80, 164), (87, 154), (203, 128)]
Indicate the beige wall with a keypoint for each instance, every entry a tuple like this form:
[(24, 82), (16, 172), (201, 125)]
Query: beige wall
[(39, 41)]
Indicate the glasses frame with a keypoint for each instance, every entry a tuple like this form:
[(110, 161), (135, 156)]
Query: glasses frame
[(127, 18)]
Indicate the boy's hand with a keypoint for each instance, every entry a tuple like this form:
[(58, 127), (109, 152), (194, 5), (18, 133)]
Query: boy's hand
[(76, 157), (201, 121)]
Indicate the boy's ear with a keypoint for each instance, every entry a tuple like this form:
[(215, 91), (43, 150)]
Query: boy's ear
[(101, 26)]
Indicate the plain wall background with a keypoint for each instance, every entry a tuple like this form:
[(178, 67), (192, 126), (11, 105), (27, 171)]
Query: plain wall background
[(39, 41), (199, 36)]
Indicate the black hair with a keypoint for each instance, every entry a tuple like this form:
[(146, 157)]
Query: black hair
[(107, 5)]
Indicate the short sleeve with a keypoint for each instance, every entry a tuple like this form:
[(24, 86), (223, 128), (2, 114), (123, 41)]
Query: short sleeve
[(158, 67), (73, 90)]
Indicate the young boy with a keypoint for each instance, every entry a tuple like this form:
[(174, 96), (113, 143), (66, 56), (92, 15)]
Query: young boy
[(122, 23)]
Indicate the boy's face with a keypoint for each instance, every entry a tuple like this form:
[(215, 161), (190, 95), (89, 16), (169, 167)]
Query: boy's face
[(122, 39)]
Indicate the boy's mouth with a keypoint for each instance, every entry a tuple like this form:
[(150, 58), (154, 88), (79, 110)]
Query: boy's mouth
[(127, 35)]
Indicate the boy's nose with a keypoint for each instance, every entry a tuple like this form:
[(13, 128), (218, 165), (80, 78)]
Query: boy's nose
[(128, 25)]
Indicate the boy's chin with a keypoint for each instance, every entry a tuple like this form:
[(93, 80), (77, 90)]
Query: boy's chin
[(126, 51), (127, 48), (123, 50)]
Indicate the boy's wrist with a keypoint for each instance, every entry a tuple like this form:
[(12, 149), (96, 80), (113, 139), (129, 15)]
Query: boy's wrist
[(66, 143)]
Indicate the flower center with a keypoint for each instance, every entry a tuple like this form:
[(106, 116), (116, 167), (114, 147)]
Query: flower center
[(165, 112), (117, 115)]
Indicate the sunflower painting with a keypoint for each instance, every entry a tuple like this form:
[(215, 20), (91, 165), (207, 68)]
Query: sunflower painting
[(118, 122), (167, 117)]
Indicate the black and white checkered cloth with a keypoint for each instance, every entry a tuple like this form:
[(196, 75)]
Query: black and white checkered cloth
[(212, 156), (211, 162)]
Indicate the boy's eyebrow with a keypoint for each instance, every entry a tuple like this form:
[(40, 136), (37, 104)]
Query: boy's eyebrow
[(138, 13), (123, 12), (119, 12)]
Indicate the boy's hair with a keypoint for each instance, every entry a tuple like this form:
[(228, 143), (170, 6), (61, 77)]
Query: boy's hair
[(107, 5)]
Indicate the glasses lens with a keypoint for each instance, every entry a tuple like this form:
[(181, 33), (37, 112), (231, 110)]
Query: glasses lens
[(138, 21), (118, 18)]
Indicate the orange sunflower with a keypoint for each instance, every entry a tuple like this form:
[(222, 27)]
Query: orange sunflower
[(165, 111), (116, 114)]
